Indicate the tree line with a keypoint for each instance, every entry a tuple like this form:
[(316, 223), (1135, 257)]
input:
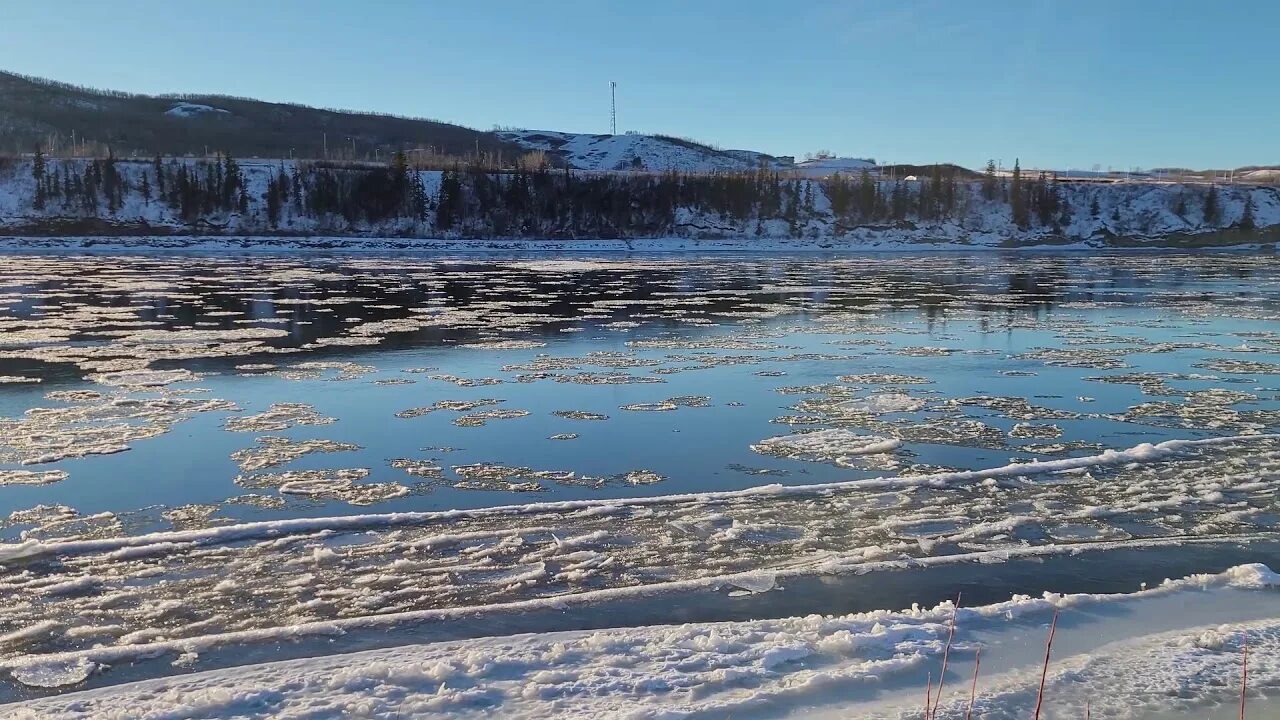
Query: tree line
[(537, 199)]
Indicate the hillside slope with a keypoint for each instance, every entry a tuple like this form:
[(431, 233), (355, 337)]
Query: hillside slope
[(511, 206), (635, 152), (38, 111)]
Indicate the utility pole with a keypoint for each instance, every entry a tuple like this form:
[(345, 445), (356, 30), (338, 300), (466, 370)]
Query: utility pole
[(613, 108), (325, 138)]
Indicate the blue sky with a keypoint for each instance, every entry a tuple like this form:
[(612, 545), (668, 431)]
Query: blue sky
[(1060, 83)]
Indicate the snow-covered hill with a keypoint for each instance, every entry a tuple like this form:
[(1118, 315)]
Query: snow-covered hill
[(826, 166), (635, 152)]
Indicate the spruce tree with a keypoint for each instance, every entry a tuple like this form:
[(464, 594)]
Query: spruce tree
[(158, 166), (1247, 221), (272, 198), (1017, 199), (989, 182), (37, 173), (1211, 209)]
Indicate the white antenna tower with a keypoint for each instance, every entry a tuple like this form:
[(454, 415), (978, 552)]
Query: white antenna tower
[(613, 108)]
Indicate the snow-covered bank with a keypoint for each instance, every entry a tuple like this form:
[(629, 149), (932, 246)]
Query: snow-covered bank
[(1172, 650), (275, 245), (1085, 215)]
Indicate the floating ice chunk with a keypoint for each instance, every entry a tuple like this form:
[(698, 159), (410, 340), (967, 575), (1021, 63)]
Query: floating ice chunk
[(1033, 430), (28, 477), (280, 416), (272, 450), (579, 415), (143, 378), (881, 403), (833, 445), (53, 673), (505, 345), (755, 582)]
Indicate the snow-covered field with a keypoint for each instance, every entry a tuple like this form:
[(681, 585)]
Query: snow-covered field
[(1175, 650)]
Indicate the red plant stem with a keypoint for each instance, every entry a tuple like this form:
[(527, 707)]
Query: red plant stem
[(1044, 672), (973, 689), (946, 654), (1244, 675)]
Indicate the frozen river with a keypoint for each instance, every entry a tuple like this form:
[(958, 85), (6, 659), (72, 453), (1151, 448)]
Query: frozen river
[(203, 452)]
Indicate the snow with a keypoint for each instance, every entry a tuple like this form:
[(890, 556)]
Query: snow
[(1143, 213), (1173, 649), (190, 110), (503, 562), (635, 152), (1266, 175), (825, 166)]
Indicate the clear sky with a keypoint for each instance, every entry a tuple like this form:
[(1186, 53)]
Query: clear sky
[(1060, 83)]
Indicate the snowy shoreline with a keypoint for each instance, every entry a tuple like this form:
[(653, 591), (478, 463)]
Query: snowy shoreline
[(1124, 652), (273, 244), (1101, 216)]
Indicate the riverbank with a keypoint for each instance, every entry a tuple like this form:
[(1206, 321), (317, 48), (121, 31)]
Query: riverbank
[(1230, 241), (181, 203)]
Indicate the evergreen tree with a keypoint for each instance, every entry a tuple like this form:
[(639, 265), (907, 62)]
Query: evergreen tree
[(899, 201), (37, 173), (418, 202), (1017, 199), (400, 177), (867, 191), (1247, 221), (1211, 209), (112, 187), (1065, 215), (282, 180), (272, 198), (158, 167), (146, 188), (989, 182), (449, 205)]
